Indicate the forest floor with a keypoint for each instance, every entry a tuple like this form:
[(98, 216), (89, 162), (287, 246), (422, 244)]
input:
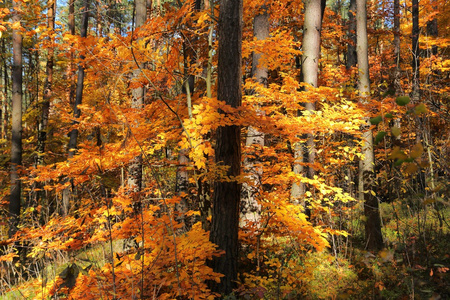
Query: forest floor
[(414, 265)]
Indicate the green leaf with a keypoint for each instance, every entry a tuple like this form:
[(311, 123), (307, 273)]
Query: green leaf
[(420, 109), (402, 100), (388, 116), (398, 162), (376, 120), (389, 92), (379, 137)]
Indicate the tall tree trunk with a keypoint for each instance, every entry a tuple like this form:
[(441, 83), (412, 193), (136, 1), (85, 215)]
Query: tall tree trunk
[(43, 122), (80, 84), (225, 217), (374, 238), (71, 94), (73, 135), (16, 128), (351, 47), (4, 108), (250, 209), (182, 176), (415, 62), (432, 29), (314, 10), (134, 179), (70, 73), (397, 32)]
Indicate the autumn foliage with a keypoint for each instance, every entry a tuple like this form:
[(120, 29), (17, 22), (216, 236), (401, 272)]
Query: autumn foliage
[(85, 234)]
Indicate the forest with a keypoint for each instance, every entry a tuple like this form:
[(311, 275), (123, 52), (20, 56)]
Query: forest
[(224, 149)]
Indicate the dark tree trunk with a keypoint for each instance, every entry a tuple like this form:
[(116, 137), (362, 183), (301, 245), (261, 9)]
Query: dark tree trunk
[(415, 62), (70, 73), (432, 29), (73, 135), (43, 123), (225, 216), (80, 84), (4, 108), (16, 128), (351, 47), (397, 32)]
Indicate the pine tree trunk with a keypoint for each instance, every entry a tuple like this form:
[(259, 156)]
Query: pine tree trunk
[(16, 128), (225, 216), (374, 238)]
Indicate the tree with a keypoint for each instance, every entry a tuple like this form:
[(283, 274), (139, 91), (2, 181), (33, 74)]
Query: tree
[(43, 123), (415, 61), (16, 128), (227, 191), (367, 193), (314, 10), (134, 179), (73, 135), (80, 83), (351, 47), (250, 209)]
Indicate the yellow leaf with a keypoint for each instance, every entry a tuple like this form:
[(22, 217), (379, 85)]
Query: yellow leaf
[(16, 25), (395, 131)]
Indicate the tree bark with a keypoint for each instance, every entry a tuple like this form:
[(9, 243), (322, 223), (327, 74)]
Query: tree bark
[(134, 179), (374, 238), (351, 47), (16, 128), (397, 32), (80, 84), (4, 116), (432, 29), (73, 135), (250, 209), (415, 62), (314, 10), (43, 122), (225, 216)]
